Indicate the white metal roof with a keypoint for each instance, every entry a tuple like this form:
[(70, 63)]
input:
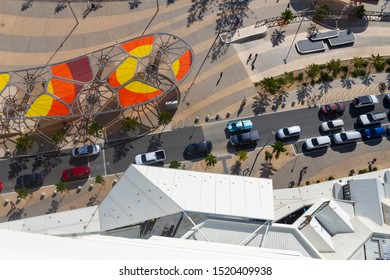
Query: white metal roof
[(134, 199), (368, 193), (220, 194), (30, 246)]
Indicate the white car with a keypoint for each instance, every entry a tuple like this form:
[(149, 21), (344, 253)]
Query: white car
[(317, 142), (371, 118), (331, 125), (289, 132), (367, 100), (87, 150), (346, 137)]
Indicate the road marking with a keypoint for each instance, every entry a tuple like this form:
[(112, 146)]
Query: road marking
[(104, 161)]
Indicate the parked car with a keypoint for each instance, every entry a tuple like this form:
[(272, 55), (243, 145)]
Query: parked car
[(199, 148), (239, 126), (374, 132), (75, 173), (367, 100), (387, 97), (289, 132), (150, 157), (317, 142), (29, 181), (87, 150), (245, 138), (346, 137), (332, 125), (371, 118), (333, 108)]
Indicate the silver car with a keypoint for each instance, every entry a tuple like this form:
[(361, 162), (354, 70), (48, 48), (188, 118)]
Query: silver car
[(317, 142), (346, 137), (87, 150), (289, 132)]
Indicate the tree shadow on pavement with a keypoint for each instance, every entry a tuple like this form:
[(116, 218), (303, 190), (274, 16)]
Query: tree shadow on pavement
[(54, 207), (368, 79), (277, 37), (303, 92), (121, 148), (155, 143), (16, 166), (347, 83), (236, 168), (267, 170), (260, 103), (15, 214), (324, 87), (60, 7)]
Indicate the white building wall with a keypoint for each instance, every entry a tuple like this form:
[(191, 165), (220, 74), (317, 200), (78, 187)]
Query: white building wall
[(318, 236)]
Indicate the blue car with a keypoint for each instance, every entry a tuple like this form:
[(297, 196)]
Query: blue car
[(239, 126), (373, 132)]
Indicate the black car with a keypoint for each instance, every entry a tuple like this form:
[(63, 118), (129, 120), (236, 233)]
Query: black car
[(245, 138), (199, 148), (29, 181)]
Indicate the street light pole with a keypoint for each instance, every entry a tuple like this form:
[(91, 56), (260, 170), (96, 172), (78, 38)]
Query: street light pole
[(258, 153)]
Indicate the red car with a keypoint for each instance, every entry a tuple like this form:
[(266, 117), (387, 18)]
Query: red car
[(76, 173), (333, 108), (1, 186)]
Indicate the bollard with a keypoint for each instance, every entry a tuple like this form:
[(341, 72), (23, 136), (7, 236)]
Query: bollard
[(217, 116), (196, 120), (207, 118), (228, 114)]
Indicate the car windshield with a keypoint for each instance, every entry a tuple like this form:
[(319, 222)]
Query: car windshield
[(285, 131), (370, 118), (314, 141), (343, 136), (330, 124)]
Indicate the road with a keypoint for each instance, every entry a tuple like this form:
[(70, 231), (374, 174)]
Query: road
[(119, 155)]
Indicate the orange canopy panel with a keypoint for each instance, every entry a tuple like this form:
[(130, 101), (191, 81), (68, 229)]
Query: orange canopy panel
[(64, 90), (79, 70), (136, 93), (46, 105), (182, 65), (139, 47), (124, 72), (4, 80)]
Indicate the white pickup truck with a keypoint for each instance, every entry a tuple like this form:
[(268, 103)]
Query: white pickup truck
[(151, 157)]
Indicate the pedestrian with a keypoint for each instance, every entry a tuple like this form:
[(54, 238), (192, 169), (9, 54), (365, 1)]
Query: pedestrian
[(250, 57), (253, 67)]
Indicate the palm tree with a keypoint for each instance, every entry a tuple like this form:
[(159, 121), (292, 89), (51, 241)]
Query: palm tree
[(61, 186), (130, 123), (287, 16), (22, 192), (360, 11), (165, 118), (278, 148), (268, 156), (99, 179), (334, 66), (58, 136), (357, 62), (210, 160), (289, 78), (313, 70), (242, 155), (175, 164), (24, 142), (95, 129), (270, 84), (378, 62)]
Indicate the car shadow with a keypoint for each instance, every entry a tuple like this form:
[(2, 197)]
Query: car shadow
[(74, 161), (344, 148), (373, 141), (315, 152), (196, 157), (288, 141), (245, 147), (356, 112)]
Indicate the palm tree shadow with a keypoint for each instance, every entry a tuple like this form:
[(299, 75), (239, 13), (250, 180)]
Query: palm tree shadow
[(266, 171), (347, 83), (303, 92), (277, 37), (236, 168), (325, 86), (368, 79), (388, 80), (260, 103)]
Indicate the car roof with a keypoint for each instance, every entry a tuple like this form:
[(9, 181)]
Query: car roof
[(293, 129)]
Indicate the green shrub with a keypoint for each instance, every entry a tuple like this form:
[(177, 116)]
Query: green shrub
[(299, 77), (318, 181), (375, 168), (388, 70), (358, 73), (344, 69), (307, 183), (362, 171), (388, 61), (330, 178)]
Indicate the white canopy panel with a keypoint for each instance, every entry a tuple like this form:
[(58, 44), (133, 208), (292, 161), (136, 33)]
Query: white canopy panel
[(220, 194), (134, 199)]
